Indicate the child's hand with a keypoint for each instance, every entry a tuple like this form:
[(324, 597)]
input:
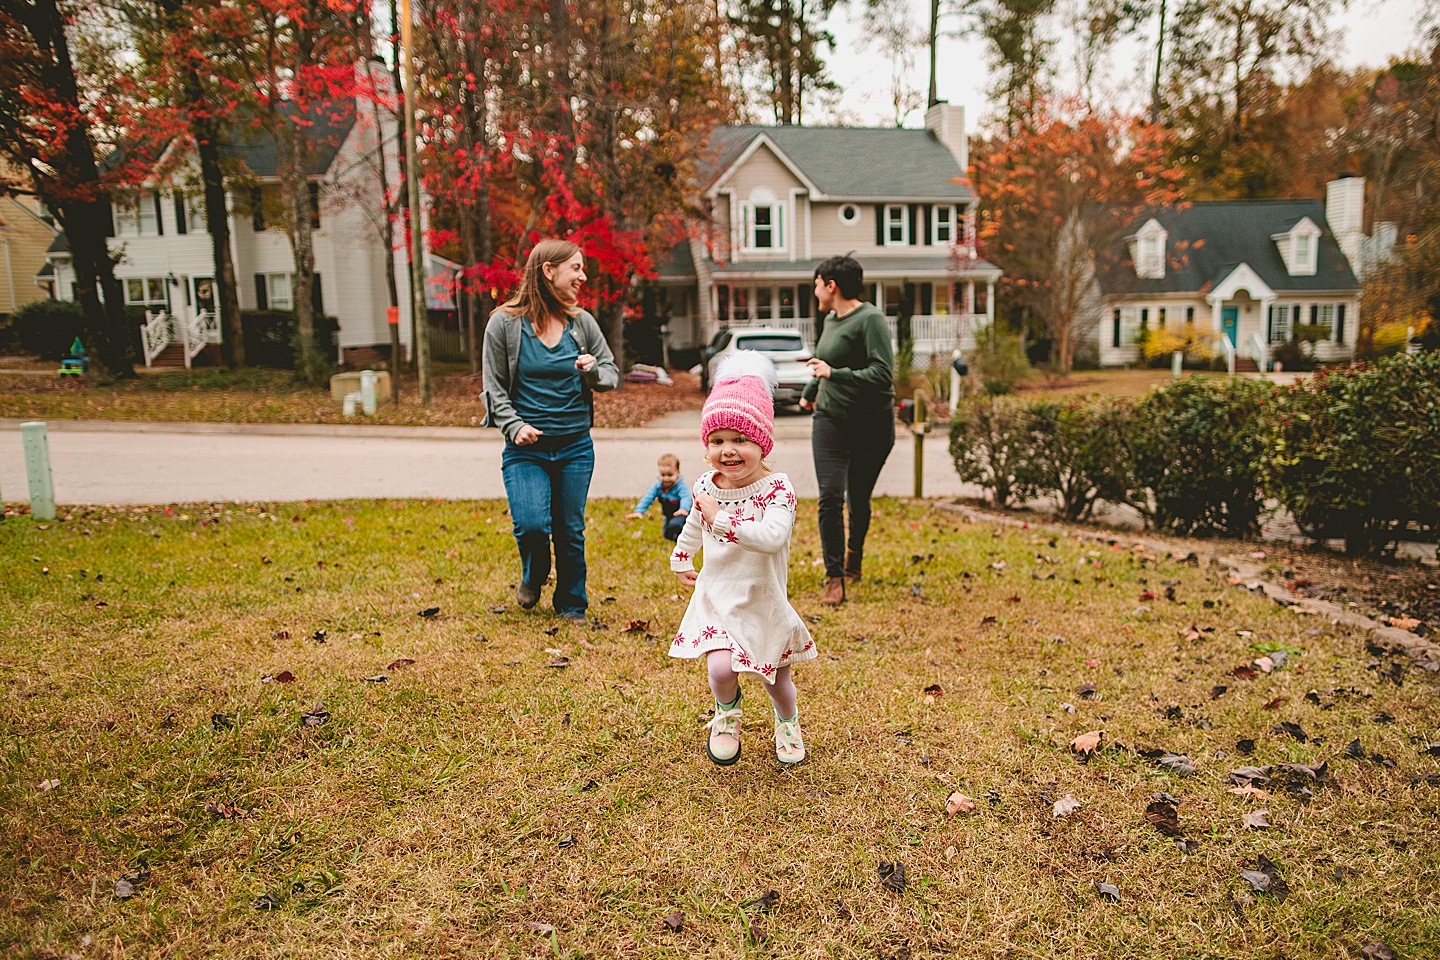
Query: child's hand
[(687, 577), (708, 505), (679, 513), (634, 516)]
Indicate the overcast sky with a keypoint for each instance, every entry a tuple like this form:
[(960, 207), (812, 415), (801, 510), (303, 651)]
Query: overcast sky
[(1369, 33)]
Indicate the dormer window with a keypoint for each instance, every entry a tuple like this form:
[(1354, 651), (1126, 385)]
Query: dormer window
[(1299, 247), (1148, 250), (763, 219), (897, 225)]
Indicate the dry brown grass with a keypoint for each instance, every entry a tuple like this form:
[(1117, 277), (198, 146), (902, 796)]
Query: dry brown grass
[(433, 814)]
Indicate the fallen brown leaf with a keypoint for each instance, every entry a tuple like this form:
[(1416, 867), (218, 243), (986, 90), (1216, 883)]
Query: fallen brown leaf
[(1086, 743), (958, 803)]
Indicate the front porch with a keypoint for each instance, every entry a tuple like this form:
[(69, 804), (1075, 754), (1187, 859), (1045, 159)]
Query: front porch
[(172, 341)]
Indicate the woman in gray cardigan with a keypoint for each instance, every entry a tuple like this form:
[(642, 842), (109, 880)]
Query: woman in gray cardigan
[(544, 357)]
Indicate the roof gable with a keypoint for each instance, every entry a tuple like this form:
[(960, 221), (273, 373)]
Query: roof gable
[(850, 163), (1207, 240)]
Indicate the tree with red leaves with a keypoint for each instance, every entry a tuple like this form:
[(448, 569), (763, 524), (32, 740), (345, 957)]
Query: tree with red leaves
[(1059, 185), (298, 83), (48, 124)]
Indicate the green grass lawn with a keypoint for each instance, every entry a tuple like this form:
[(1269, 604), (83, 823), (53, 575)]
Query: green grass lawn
[(527, 788)]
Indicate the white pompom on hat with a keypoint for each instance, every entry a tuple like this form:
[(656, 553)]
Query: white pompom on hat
[(742, 399)]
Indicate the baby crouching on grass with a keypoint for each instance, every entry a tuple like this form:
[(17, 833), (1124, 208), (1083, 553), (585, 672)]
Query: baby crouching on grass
[(740, 619)]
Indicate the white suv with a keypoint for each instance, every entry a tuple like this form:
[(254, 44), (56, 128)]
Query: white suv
[(786, 348)]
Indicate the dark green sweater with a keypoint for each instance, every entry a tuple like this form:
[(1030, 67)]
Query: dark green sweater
[(862, 365)]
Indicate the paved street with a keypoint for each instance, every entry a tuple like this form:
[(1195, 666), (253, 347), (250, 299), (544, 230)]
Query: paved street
[(129, 463)]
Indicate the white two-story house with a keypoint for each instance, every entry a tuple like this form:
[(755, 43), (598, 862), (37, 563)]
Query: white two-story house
[(164, 254), (781, 199), (1249, 271)]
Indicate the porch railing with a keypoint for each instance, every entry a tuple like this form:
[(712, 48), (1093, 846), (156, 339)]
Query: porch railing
[(932, 334), (200, 331), (156, 334)]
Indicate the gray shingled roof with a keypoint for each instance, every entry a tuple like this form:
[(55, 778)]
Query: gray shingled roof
[(855, 161), (256, 148), (1209, 239), (61, 244)]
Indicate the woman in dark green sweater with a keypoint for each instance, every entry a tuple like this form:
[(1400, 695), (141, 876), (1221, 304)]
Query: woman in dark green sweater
[(853, 396)]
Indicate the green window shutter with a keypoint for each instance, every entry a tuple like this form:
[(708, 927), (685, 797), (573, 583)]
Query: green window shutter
[(914, 224), (159, 214), (182, 224), (262, 292), (879, 224)]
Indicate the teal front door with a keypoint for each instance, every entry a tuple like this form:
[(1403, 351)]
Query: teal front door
[(1230, 324)]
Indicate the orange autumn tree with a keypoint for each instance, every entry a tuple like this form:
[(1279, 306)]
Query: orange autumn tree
[(1058, 185)]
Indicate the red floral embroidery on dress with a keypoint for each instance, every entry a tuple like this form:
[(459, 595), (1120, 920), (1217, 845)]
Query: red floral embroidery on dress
[(708, 633), (680, 555), (767, 668), (679, 639)]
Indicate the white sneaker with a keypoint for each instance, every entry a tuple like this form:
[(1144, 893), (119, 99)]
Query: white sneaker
[(723, 744), (789, 744)]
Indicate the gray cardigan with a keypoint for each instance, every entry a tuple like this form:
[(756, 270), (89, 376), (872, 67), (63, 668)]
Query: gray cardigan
[(502, 361)]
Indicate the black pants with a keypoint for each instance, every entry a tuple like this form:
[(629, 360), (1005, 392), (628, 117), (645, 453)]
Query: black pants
[(673, 524), (848, 456)]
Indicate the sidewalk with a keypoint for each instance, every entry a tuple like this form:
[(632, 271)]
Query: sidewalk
[(130, 463)]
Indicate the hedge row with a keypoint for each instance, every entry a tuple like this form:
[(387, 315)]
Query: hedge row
[(1351, 453)]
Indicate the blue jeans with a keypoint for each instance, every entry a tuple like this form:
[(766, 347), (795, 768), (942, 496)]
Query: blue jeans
[(546, 483)]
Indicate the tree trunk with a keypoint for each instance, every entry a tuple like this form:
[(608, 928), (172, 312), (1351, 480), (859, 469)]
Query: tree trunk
[(217, 222), (80, 200), (401, 157), (564, 86)]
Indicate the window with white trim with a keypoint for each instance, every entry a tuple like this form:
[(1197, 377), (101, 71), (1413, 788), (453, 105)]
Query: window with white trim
[(1278, 327), (762, 219), (897, 225), (1149, 251), (149, 292), (944, 224), (137, 215)]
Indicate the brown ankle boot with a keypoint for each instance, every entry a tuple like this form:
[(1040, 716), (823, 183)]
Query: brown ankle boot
[(834, 592), (852, 566)]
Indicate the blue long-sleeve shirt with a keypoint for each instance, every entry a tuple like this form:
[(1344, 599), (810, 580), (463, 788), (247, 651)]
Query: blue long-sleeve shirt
[(678, 495)]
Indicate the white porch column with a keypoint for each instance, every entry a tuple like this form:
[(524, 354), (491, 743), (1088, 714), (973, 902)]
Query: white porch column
[(1265, 304), (1215, 314), (989, 303), (970, 297)]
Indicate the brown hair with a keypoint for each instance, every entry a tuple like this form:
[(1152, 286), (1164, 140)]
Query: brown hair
[(669, 458), (536, 299)]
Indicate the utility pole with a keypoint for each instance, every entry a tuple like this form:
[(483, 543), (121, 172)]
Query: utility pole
[(412, 183), (934, 44)]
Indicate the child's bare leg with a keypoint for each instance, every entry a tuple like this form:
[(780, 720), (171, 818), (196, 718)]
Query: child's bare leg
[(723, 744), (783, 695)]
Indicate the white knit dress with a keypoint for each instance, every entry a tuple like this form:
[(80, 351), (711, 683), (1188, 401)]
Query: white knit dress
[(740, 602)]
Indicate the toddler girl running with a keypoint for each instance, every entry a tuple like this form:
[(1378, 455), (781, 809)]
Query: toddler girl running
[(740, 619)]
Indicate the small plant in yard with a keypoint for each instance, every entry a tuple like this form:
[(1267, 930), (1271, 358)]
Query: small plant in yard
[(1075, 446), (326, 730)]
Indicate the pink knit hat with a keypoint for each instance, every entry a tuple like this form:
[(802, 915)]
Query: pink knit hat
[(741, 399)]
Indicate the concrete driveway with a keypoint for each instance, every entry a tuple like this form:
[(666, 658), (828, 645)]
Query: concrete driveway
[(97, 462)]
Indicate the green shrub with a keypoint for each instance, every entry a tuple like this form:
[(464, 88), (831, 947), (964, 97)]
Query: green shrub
[(49, 327), (1193, 456), (1073, 451), (1354, 453), (990, 444), (270, 339), (998, 362)]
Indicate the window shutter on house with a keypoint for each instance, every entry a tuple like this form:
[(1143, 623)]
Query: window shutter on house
[(159, 214), (257, 209), (914, 224), (1340, 323), (1294, 321), (317, 297), (879, 224), (262, 292), (314, 189), (182, 222), (1314, 314), (929, 238)]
